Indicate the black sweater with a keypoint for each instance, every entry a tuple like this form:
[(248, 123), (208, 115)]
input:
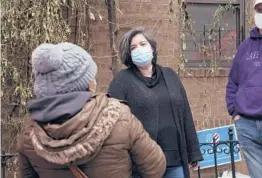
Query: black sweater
[(167, 135), (144, 105)]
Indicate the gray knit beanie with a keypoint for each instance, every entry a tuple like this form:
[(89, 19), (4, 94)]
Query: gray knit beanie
[(61, 68)]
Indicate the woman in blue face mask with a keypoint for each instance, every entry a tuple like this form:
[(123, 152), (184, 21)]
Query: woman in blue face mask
[(158, 99)]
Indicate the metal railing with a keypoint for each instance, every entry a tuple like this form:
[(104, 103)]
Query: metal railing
[(213, 149), (5, 157)]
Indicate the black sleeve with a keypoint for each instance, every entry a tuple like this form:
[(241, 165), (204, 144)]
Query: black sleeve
[(193, 147), (117, 89), (25, 168)]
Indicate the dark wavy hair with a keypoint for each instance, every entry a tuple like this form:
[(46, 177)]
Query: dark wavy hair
[(124, 48)]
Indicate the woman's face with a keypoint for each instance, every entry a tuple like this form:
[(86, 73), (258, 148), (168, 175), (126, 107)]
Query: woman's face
[(139, 41), (258, 16), (258, 8)]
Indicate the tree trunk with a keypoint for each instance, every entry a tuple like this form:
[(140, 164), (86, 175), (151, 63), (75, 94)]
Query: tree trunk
[(111, 7)]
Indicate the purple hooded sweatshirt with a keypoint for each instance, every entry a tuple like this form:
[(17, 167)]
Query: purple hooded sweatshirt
[(244, 88)]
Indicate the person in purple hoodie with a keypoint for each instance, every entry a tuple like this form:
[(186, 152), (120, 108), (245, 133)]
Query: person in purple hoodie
[(244, 95)]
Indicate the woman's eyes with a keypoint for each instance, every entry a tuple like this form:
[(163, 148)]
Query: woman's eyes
[(141, 44)]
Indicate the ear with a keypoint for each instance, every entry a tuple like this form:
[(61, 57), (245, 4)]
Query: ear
[(92, 86)]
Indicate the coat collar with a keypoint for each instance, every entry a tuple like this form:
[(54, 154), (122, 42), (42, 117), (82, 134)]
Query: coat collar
[(80, 137)]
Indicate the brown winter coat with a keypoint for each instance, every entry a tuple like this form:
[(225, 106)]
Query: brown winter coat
[(102, 139)]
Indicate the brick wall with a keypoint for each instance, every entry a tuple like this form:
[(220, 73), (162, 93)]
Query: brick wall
[(153, 15), (206, 94)]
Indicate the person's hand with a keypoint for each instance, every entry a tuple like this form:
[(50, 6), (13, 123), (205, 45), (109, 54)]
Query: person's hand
[(194, 165), (237, 117)]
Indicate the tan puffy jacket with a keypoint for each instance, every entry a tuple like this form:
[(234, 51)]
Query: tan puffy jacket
[(104, 139)]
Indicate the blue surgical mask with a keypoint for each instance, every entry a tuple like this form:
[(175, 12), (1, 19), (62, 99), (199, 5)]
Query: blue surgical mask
[(141, 56)]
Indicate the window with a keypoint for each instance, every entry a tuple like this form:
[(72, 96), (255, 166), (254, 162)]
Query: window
[(212, 33)]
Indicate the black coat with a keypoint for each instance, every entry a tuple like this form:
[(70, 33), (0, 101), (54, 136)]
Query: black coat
[(144, 105)]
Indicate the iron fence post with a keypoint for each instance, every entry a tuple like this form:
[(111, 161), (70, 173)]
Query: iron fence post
[(3, 164), (215, 155), (230, 133), (198, 172)]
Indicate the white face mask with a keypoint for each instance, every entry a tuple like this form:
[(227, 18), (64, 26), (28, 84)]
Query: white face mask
[(258, 20)]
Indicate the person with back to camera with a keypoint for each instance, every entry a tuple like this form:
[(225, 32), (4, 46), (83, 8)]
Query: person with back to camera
[(71, 132)]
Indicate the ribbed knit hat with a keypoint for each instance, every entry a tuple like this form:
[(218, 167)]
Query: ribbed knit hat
[(61, 68)]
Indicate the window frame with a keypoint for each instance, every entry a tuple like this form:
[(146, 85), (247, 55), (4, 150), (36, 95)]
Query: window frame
[(240, 26)]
